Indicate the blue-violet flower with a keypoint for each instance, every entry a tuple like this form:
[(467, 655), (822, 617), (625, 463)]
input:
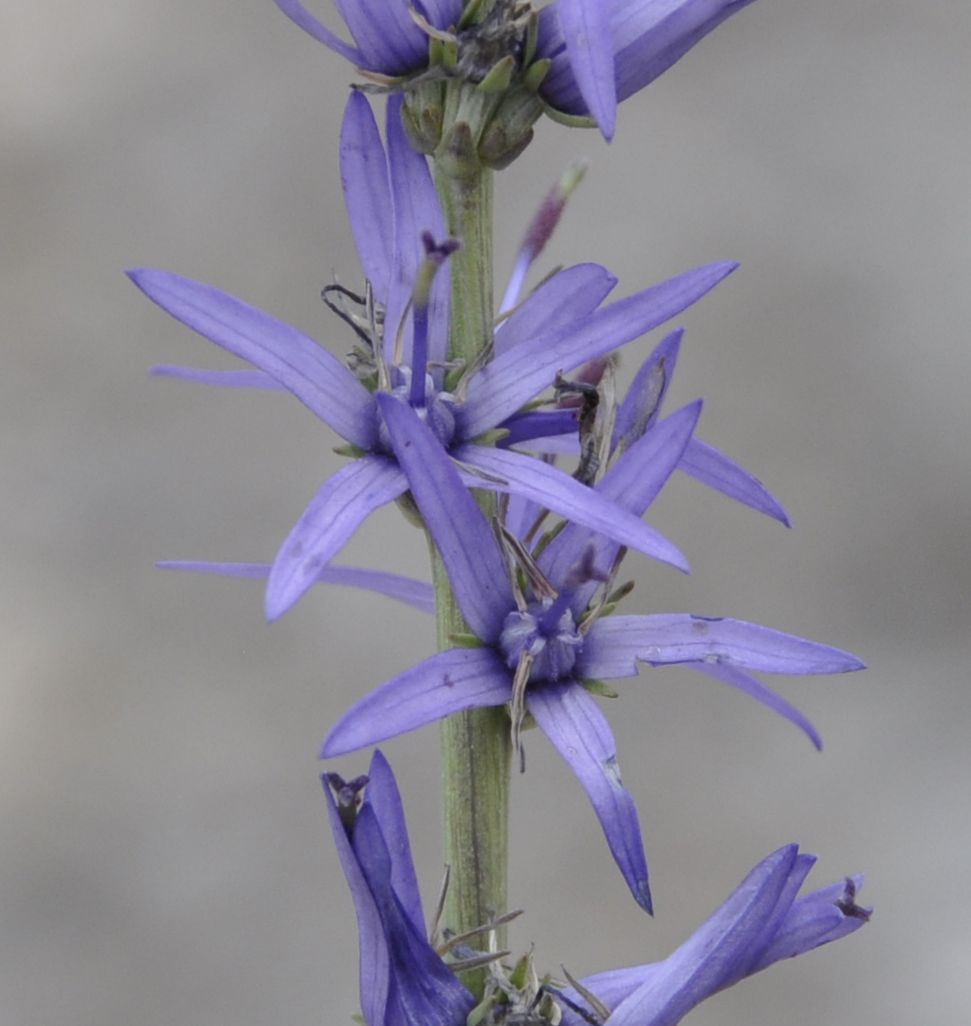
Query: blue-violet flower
[(542, 642), (405, 982), (395, 217)]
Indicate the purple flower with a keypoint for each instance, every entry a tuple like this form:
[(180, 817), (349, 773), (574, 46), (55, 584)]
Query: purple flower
[(603, 51), (544, 640), (403, 981), (387, 40), (762, 922), (392, 205)]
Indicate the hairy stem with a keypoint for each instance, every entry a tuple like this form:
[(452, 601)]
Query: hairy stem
[(476, 751), (467, 202)]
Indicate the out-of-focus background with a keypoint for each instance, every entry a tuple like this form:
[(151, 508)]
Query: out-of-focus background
[(165, 857)]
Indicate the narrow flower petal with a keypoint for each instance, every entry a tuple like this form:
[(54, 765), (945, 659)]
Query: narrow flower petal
[(713, 468), (654, 36), (402, 589), (315, 377), (423, 991), (531, 478), (334, 514), (616, 644), (367, 192), (577, 729), (558, 302), (244, 377), (416, 210), (388, 39), (520, 374), (299, 15), (632, 483), (647, 37), (461, 678), (383, 796), (585, 25), (373, 949), (468, 549), (736, 678)]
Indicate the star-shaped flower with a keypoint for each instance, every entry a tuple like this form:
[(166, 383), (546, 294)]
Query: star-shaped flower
[(541, 643), (390, 197)]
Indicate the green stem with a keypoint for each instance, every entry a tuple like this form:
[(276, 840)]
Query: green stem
[(467, 202), (476, 749), (476, 752)]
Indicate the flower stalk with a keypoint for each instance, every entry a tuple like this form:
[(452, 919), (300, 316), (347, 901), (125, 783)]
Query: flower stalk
[(475, 744), (465, 189)]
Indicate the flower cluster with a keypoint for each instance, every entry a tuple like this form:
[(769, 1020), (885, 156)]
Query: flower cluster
[(586, 55), (529, 547), (407, 981)]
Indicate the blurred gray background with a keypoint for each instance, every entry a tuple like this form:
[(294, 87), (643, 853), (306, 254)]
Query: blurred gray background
[(165, 858)]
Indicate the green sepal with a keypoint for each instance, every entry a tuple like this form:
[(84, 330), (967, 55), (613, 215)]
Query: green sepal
[(489, 438), (535, 73), (450, 56), (350, 450), (498, 153), (465, 641), (532, 38), (597, 687), (528, 723), (510, 129), (409, 510), (423, 132), (619, 594), (475, 11), (475, 1017), (436, 51), (519, 976), (570, 120), (499, 76)]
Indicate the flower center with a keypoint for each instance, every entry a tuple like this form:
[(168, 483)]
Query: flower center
[(437, 411), (552, 642)]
